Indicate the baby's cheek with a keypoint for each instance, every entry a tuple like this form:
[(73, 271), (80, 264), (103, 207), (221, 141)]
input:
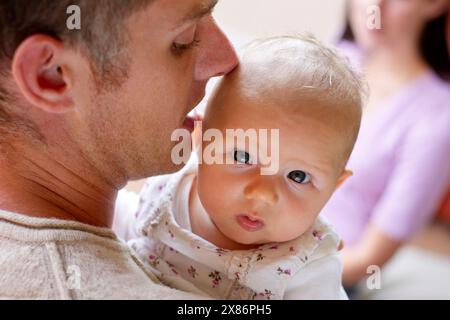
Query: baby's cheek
[(288, 231), (297, 222), (213, 199)]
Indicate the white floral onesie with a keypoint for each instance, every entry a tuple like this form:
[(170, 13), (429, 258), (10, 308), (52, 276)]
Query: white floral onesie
[(159, 231)]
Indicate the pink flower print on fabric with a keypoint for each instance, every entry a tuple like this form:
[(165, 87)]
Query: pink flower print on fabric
[(282, 271), (216, 279), (151, 207), (267, 294), (192, 272), (173, 250), (172, 268), (317, 235), (153, 260), (221, 252), (154, 213)]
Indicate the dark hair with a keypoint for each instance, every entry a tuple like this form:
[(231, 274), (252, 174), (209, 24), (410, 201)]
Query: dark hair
[(101, 36), (100, 33), (433, 44)]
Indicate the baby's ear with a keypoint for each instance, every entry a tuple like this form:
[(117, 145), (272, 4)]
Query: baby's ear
[(341, 245), (344, 176)]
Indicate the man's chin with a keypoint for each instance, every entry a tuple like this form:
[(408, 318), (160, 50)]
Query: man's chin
[(159, 164), (165, 167), (170, 168), (165, 163)]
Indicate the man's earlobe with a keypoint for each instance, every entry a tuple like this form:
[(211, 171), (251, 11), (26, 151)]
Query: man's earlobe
[(344, 176), (39, 74)]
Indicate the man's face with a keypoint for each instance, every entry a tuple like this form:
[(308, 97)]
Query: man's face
[(174, 47)]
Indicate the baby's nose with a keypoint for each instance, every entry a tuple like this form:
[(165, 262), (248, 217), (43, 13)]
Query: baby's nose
[(263, 191)]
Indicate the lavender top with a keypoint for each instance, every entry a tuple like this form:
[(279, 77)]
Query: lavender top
[(401, 164)]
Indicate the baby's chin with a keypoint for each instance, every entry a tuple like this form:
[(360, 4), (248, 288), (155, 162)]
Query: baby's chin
[(248, 246), (246, 240), (253, 241), (243, 243), (285, 238)]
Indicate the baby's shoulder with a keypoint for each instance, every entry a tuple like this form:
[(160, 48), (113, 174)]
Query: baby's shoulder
[(154, 186), (152, 197), (320, 240)]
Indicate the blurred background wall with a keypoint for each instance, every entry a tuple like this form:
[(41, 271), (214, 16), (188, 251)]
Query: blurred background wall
[(244, 20)]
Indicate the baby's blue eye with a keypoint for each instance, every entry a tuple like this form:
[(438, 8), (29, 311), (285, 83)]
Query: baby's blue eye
[(242, 157), (299, 176)]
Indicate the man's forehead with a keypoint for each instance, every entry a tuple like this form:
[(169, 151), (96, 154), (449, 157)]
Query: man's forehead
[(198, 9), (174, 14)]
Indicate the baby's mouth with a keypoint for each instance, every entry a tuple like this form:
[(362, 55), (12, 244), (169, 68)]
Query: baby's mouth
[(250, 223)]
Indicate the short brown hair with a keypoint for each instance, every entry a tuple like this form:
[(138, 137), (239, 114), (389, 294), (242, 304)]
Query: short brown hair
[(100, 36)]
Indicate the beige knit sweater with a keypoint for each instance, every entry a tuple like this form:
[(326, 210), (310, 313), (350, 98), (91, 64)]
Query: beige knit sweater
[(55, 259)]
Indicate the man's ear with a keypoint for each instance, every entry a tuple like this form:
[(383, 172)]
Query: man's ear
[(435, 8), (344, 176), (41, 75)]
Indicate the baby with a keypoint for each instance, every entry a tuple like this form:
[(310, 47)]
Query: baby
[(226, 230)]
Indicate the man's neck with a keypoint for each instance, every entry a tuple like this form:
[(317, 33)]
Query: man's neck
[(38, 186)]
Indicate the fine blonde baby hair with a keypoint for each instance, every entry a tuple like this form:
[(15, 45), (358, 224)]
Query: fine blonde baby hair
[(299, 66)]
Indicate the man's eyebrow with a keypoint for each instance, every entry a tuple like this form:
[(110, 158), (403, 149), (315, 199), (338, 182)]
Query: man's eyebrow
[(204, 9)]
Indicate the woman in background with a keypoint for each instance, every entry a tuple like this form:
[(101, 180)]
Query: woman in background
[(401, 162)]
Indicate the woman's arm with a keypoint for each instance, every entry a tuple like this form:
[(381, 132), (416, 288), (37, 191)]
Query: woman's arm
[(376, 248), (416, 186)]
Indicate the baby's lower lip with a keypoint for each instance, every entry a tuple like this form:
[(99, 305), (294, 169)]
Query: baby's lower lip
[(248, 224)]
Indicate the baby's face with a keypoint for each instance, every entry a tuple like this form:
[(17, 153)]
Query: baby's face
[(250, 208)]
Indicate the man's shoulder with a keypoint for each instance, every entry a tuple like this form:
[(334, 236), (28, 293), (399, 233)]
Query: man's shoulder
[(38, 263)]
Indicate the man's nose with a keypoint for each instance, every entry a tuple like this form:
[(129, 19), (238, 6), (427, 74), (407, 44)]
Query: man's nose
[(217, 56), (262, 190)]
